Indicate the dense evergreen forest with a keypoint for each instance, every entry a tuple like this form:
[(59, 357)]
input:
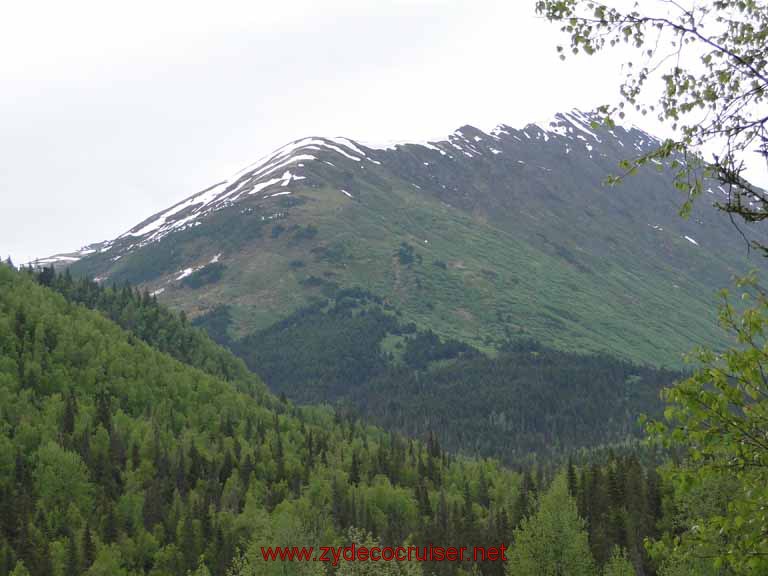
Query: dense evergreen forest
[(353, 348), (117, 458), (131, 443)]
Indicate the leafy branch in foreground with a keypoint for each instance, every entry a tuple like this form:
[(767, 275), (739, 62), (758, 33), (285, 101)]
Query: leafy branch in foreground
[(720, 417), (707, 68)]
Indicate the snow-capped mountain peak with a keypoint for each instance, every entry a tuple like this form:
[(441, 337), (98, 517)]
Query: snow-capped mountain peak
[(297, 165)]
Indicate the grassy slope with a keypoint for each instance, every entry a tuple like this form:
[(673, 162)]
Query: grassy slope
[(503, 249), (493, 281)]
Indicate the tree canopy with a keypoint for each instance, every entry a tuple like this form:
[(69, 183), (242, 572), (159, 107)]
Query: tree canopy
[(702, 69), (553, 541), (720, 416)]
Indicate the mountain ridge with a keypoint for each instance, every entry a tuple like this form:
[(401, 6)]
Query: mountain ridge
[(481, 237), (225, 190)]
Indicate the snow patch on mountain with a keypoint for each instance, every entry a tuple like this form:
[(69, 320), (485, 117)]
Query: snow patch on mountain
[(187, 272), (66, 258), (289, 161), (297, 163)]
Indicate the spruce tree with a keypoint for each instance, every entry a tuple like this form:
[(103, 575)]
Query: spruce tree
[(110, 525), (70, 413), (88, 548), (354, 472), (187, 543), (72, 567), (572, 481), (6, 558)]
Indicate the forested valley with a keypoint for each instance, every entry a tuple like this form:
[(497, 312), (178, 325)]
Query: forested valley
[(146, 448), (120, 458), (353, 351)]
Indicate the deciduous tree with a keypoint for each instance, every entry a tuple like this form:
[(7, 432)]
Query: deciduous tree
[(699, 67), (553, 541)]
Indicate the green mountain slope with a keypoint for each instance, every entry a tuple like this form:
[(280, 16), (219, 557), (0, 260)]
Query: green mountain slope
[(480, 238), (118, 459), (528, 401)]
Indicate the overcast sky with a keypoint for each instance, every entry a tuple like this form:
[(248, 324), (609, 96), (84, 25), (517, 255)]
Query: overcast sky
[(111, 111)]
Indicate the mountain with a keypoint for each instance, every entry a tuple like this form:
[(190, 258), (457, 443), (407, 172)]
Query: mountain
[(481, 237), (528, 402)]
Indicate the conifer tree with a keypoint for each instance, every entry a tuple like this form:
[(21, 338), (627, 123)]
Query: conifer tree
[(354, 472), (70, 413), (6, 558), (572, 481), (187, 542), (110, 526), (88, 548), (72, 567)]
